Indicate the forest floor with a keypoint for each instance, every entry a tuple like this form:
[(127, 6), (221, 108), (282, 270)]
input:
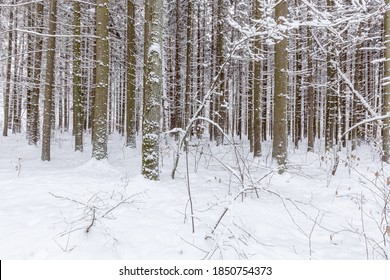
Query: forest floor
[(74, 207)]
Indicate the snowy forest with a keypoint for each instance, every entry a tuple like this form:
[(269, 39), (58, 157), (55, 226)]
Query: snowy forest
[(173, 129)]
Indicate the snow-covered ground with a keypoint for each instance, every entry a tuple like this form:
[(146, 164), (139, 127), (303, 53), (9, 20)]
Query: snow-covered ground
[(77, 208)]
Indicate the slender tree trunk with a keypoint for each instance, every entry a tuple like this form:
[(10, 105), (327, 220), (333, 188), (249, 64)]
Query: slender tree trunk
[(187, 96), (386, 88), (78, 106), (131, 76), (257, 89), (7, 92), (298, 90), (220, 105), (331, 95), (310, 96), (30, 77), (250, 106), (279, 151), (49, 87)]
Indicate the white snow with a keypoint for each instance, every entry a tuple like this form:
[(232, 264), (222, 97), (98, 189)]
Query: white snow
[(46, 211)]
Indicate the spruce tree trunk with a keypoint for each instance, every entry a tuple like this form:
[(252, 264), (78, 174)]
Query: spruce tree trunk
[(298, 90), (49, 87), (250, 105), (256, 90), (7, 92), (30, 78), (176, 116), (131, 76), (99, 137), (357, 87), (279, 151), (78, 108), (187, 96), (310, 96), (331, 96), (34, 125), (152, 89), (386, 88), (220, 105)]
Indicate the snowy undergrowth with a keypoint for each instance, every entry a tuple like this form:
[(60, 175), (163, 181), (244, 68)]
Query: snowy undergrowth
[(77, 208)]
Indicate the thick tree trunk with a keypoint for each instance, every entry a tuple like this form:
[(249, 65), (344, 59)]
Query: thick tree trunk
[(279, 151), (99, 138), (152, 89), (33, 135), (49, 87), (176, 113)]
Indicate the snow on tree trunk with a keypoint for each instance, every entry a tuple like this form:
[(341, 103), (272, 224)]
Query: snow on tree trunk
[(78, 111), (49, 87), (99, 142), (152, 89), (386, 88), (257, 92), (34, 123), (279, 151), (131, 76), (8, 82)]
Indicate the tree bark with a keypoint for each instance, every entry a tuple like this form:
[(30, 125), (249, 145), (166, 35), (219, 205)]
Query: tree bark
[(257, 89), (78, 108), (152, 89), (131, 76), (279, 151), (100, 135), (386, 89), (310, 96), (49, 87), (7, 92)]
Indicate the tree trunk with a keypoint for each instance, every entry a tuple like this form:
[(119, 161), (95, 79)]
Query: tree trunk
[(187, 96), (310, 96), (99, 142), (152, 89), (34, 126), (49, 87), (386, 88), (78, 108), (220, 105), (279, 151), (7, 92), (30, 78), (331, 96), (257, 89), (176, 116), (131, 76)]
